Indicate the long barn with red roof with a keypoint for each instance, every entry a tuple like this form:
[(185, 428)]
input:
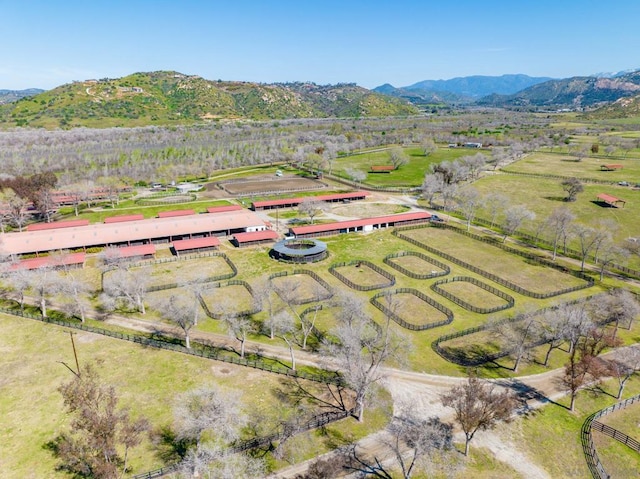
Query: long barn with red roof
[(293, 202), (361, 225)]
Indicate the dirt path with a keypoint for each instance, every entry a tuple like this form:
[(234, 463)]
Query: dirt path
[(420, 391)]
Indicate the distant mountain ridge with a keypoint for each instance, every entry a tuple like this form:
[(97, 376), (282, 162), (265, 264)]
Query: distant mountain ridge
[(463, 89), (168, 97), (571, 93), (8, 96)]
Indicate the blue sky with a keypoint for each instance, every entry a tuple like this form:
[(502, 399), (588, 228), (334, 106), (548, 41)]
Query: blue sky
[(45, 43)]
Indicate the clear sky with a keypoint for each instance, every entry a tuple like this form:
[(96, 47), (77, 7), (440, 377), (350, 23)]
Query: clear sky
[(45, 43)]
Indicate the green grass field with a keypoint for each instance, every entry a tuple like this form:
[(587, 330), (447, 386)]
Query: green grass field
[(411, 174), (147, 380)]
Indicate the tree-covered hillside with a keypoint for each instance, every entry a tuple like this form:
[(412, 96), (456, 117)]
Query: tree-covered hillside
[(173, 98)]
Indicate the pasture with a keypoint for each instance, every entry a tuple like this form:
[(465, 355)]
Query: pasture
[(148, 382), (411, 174)]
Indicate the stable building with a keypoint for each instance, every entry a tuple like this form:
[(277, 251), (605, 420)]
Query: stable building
[(294, 202), (129, 233), (361, 225)]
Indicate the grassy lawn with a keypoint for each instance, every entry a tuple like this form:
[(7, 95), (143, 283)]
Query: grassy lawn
[(411, 174), (542, 196), (416, 264), (472, 294), (147, 380), (518, 270), (414, 310), (589, 167), (552, 437)]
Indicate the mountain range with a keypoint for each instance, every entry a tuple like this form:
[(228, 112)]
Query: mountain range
[(522, 91), (168, 97)]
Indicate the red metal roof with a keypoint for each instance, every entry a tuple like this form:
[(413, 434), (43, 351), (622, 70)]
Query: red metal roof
[(223, 209), (136, 250), (255, 236), (293, 201), (123, 218), (341, 225), (171, 214), (143, 230), (195, 243), (57, 224), (608, 198), (382, 168), (50, 261)]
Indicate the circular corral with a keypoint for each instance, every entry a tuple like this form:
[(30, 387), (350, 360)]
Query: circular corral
[(299, 250)]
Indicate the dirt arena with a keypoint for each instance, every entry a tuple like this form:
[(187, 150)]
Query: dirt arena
[(270, 184)]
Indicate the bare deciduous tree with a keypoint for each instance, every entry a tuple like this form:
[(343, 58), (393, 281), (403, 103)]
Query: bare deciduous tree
[(127, 286), (514, 217), (414, 442), (478, 406), (559, 222), (181, 311), (311, 207), (469, 201), (624, 366), (101, 434), (572, 186), (360, 349)]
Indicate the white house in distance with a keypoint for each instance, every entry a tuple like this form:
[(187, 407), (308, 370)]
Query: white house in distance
[(188, 187)]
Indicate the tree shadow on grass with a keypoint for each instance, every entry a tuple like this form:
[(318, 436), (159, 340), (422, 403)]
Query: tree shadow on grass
[(525, 394), (169, 448)]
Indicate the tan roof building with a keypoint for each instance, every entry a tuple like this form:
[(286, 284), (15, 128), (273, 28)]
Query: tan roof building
[(153, 230)]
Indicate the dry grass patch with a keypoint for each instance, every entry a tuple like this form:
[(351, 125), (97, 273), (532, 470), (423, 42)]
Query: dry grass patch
[(415, 311)]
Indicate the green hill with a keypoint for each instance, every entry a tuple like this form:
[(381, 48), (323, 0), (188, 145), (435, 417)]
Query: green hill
[(161, 98)]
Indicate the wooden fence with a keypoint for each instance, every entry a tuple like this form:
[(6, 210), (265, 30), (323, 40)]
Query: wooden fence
[(588, 282), (432, 274), (320, 297), (405, 324), (591, 454), (509, 300), (358, 287)]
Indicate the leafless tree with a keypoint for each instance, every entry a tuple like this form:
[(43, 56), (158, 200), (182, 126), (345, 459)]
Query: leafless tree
[(610, 253), (75, 295), (239, 326), (311, 207), (518, 334), (559, 222), (360, 349), (478, 406), (101, 434), (209, 413), (587, 238), (44, 282), (469, 201), (127, 286), (18, 209), (428, 146), (180, 310), (357, 176), (413, 440), (514, 217), (624, 366), (618, 306), (572, 186), (495, 205), (398, 157), (212, 462), (431, 186)]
